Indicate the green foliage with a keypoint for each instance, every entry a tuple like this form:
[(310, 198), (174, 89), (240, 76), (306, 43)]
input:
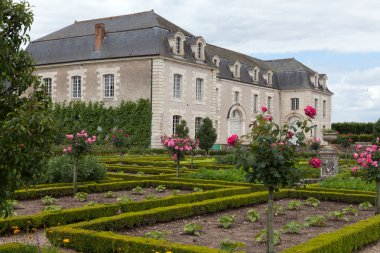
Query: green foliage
[(226, 221), (294, 205), (292, 227), (161, 188), (133, 117), (155, 234), (262, 236), (312, 202), (26, 124), (182, 131), (110, 194), (52, 208), (352, 183), (253, 215), (197, 189), (350, 211), (206, 135), (25, 248), (138, 190), (230, 246), (151, 196), (124, 199), (353, 127), (176, 192), (365, 206), (193, 229), (60, 169), (315, 221), (91, 203), (48, 200), (376, 129), (81, 196), (338, 215), (232, 175), (277, 209)]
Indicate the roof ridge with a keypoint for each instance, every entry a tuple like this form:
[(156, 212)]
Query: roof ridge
[(114, 17), (282, 59)]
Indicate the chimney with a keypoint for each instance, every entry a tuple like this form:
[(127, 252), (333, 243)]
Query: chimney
[(100, 33)]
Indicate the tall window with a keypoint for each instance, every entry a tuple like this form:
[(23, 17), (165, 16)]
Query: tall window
[(255, 102), (217, 98), (199, 89), (47, 83), (315, 131), (316, 81), (295, 103), (76, 86), (324, 108), (178, 42), (177, 86), (269, 104), (198, 123), (269, 81), (236, 96), (176, 121), (255, 77), (109, 86), (199, 50), (236, 70), (316, 104)]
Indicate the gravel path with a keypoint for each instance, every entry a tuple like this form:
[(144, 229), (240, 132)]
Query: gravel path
[(373, 248)]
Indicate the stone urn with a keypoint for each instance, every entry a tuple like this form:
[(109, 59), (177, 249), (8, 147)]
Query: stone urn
[(330, 137)]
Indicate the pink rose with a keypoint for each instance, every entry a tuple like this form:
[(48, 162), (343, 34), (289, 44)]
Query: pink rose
[(268, 118), (374, 164), (356, 155), (359, 146), (354, 169), (69, 136), (233, 139), (315, 162), (69, 149), (175, 157), (310, 111), (264, 109)]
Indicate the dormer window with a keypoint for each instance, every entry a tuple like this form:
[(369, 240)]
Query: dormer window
[(269, 77), (199, 50), (316, 81), (216, 60), (178, 45), (255, 75), (235, 69)]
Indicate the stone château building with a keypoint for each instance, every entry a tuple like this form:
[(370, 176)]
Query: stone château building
[(143, 55)]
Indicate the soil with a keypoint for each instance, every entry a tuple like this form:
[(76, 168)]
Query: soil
[(27, 207), (372, 248), (244, 231)]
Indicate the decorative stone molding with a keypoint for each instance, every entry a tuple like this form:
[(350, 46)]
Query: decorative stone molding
[(100, 72), (76, 72), (172, 72), (157, 102), (53, 76)]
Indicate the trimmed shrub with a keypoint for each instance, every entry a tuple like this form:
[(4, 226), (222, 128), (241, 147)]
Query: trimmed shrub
[(353, 127)]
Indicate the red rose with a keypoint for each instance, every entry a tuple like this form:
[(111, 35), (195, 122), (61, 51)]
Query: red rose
[(290, 134), (233, 139), (310, 111), (264, 109), (315, 162)]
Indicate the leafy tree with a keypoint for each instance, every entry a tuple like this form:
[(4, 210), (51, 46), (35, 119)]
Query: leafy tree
[(26, 125), (182, 130), (376, 129), (206, 135)]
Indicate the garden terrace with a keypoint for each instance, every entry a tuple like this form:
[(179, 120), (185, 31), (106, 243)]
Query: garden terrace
[(100, 235)]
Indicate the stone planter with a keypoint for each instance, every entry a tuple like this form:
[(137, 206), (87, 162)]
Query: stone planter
[(330, 137)]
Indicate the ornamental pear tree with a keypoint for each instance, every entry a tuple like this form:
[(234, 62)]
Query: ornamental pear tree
[(26, 124), (270, 156), (206, 135)]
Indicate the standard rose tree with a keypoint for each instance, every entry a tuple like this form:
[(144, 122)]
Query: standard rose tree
[(270, 156)]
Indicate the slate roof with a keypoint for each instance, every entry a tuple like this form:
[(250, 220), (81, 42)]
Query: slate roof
[(146, 34)]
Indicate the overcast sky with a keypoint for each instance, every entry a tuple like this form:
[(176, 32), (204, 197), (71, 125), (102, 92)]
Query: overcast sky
[(340, 38)]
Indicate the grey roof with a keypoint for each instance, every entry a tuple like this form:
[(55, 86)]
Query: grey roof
[(146, 34)]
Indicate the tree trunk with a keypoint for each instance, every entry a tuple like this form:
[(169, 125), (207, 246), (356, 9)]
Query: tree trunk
[(270, 220), (75, 177), (377, 197), (177, 169)]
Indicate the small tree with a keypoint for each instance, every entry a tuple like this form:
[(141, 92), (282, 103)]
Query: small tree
[(182, 131), (376, 129), (78, 145), (120, 139), (206, 135)]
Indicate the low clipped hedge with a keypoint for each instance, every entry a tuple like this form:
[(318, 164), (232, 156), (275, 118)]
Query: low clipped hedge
[(128, 177), (49, 219), (22, 248), (145, 169)]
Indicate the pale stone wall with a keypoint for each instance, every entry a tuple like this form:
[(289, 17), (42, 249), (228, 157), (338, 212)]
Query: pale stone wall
[(131, 80)]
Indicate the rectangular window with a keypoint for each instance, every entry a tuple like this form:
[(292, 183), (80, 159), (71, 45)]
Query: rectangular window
[(316, 104), (255, 102), (176, 121), (324, 108), (47, 83), (198, 123), (295, 103), (199, 89), (236, 97), (177, 86), (76, 85), (269, 105), (109, 86)]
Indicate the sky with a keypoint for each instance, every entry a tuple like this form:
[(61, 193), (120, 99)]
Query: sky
[(340, 38)]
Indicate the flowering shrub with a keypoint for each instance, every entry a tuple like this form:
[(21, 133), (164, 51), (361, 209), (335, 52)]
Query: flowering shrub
[(315, 144), (119, 139), (367, 160), (177, 147)]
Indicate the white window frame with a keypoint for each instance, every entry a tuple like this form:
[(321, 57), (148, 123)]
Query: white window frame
[(199, 89), (109, 85), (76, 84), (48, 82), (177, 89), (295, 104), (176, 121), (197, 124)]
